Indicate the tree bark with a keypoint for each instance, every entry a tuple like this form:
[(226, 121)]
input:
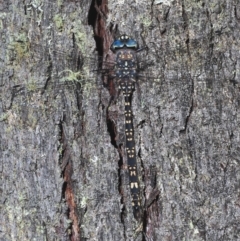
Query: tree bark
[(63, 164)]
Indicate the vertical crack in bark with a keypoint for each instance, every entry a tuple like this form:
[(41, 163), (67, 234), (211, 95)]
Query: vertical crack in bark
[(236, 13), (151, 194), (97, 19), (120, 164), (183, 131), (67, 188), (186, 29), (112, 130), (151, 214), (144, 212)]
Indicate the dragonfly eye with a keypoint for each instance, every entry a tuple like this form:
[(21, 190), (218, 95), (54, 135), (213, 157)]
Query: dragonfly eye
[(117, 44), (124, 42), (131, 43)]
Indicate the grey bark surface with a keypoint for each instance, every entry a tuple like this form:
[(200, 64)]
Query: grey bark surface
[(63, 168)]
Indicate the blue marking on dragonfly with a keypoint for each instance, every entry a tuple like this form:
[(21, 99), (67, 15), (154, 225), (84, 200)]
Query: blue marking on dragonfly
[(124, 42)]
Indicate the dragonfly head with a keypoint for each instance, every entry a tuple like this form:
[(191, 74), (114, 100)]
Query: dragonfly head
[(124, 42)]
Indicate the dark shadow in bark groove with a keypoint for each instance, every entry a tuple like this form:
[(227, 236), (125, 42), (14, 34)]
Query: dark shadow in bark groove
[(111, 128), (120, 164), (96, 16), (92, 15)]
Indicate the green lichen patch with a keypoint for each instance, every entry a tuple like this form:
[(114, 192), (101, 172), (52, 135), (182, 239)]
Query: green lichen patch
[(58, 22), (18, 48), (21, 50), (4, 116), (82, 77)]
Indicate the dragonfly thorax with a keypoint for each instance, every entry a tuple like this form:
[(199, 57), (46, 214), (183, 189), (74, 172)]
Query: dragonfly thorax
[(126, 63)]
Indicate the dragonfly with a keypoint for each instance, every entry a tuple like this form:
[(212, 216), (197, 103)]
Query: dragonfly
[(126, 50)]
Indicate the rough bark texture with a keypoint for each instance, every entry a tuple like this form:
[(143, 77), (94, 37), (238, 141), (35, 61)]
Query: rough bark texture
[(63, 162)]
